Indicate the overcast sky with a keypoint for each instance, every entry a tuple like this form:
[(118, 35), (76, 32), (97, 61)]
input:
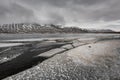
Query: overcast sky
[(83, 13)]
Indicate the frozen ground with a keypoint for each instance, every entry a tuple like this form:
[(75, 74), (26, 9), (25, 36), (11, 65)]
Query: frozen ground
[(95, 61), (9, 44), (96, 58)]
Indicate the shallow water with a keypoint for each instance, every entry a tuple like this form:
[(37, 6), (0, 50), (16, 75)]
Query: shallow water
[(41, 36)]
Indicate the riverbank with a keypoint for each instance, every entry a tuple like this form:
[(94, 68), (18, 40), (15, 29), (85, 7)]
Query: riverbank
[(16, 58)]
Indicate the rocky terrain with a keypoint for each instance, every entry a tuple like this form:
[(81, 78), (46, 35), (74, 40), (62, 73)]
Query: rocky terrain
[(66, 59), (18, 57)]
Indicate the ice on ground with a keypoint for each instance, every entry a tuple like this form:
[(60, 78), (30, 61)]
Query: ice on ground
[(68, 46), (25, 40), (51, 52), (10, 44)]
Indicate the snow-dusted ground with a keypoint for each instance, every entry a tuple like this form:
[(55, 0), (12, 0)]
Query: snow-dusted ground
[(96, 53), (95, 61)]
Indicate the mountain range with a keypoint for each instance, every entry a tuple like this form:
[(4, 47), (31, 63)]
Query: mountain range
[(47, 28)]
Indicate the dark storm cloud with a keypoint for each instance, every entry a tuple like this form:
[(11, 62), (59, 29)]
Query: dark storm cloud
[(59, 11)]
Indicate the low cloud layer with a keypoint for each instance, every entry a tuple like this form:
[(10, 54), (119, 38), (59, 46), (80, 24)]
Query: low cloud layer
[(66, 12)]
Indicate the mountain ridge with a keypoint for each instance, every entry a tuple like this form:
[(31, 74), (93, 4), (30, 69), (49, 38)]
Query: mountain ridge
[(47, 28)]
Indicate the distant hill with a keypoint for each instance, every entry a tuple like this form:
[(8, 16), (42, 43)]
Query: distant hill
[(101, 31), (47, 28)]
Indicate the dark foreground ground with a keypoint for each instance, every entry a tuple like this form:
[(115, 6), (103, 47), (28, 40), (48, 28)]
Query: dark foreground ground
[(73, 59)]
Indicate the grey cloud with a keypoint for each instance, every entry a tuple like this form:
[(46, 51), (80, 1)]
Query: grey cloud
[(59, 11), (89, 2), (104, 13), (15, 13), (58, 19), (48, 2), (109, 13), (3, 11), (66, 2)]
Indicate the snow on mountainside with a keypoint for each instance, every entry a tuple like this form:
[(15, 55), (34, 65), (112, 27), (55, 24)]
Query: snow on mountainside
[(47, 28)]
